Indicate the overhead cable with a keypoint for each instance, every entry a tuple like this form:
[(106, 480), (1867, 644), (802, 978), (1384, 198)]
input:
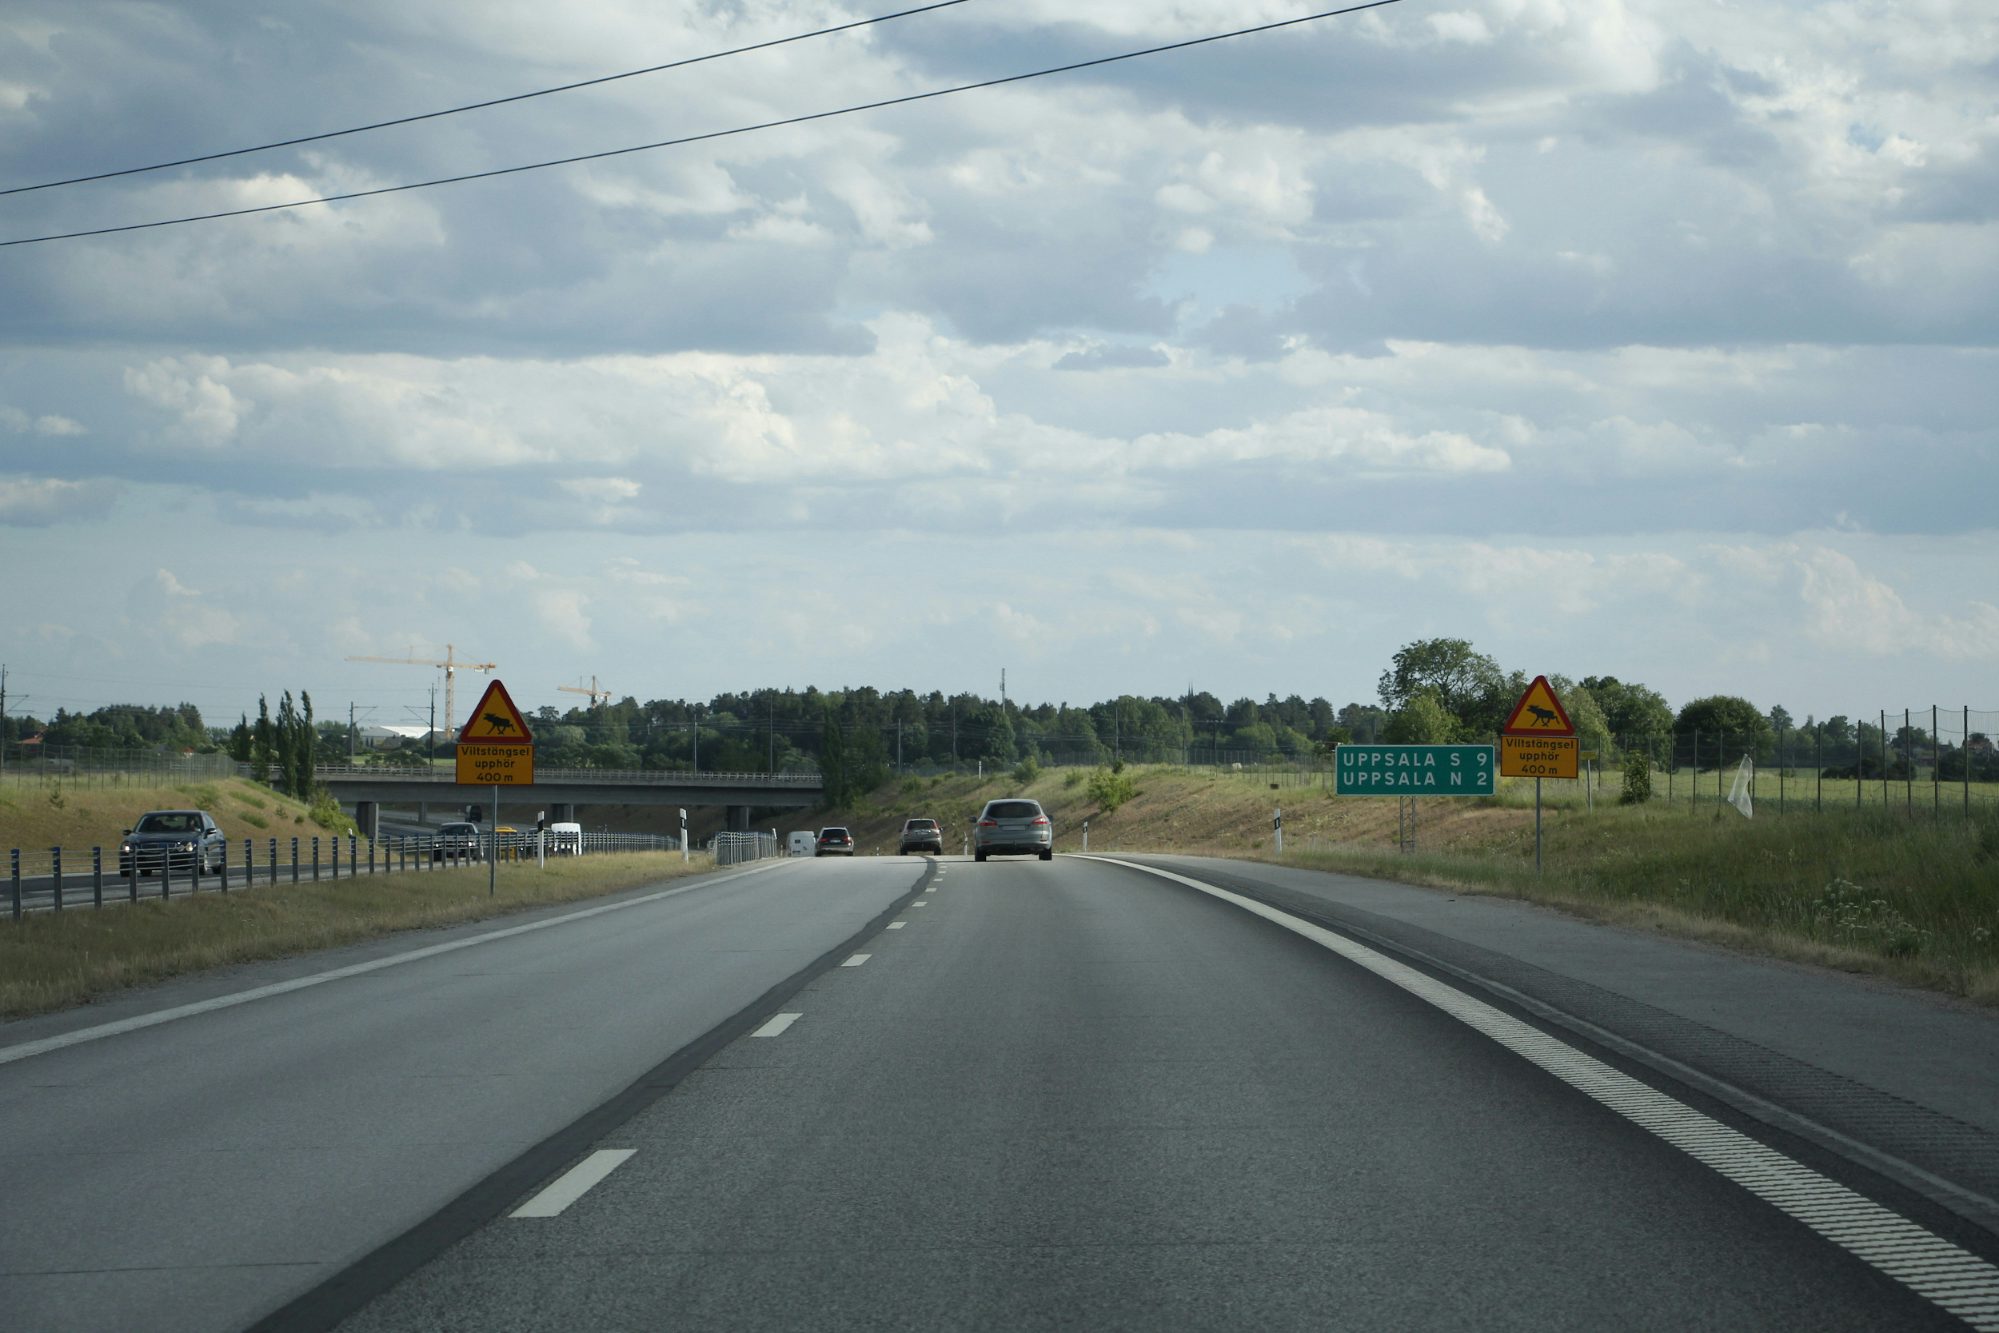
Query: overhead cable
[(480, 106), (702, 138)]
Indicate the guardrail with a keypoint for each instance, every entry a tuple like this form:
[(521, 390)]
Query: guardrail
[(54, 879), (733, 849)]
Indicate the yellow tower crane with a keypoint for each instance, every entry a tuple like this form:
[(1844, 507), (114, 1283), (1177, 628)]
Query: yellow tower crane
[(597, 695), (452, 665)]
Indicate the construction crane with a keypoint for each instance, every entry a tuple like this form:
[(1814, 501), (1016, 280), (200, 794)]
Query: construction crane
[(597, 695), (451, 664)]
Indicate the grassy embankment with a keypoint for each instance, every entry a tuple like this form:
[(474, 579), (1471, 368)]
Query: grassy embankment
[(1879, 890), (52, 962)]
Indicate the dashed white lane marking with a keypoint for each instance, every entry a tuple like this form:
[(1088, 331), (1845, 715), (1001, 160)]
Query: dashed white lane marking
[(857, 960), (10, 1054), (897, 925), (919, 903), (931, 889), (777, 1024), (1921, 1260), (574, 1183)]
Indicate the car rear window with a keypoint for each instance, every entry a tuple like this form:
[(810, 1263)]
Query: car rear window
[(923, 824), (833, 833), (1013, 809)]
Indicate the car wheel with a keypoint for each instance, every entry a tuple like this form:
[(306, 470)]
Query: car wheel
[(1047, 854), (979, 855)]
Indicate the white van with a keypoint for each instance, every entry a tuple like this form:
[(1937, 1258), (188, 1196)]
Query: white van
[(801, 843), (565, 839)]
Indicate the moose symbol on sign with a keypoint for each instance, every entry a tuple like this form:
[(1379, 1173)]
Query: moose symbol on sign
[(1543, 717), (503, 725)]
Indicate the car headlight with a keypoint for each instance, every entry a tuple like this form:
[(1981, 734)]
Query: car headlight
[(125, 847), (183, 846)]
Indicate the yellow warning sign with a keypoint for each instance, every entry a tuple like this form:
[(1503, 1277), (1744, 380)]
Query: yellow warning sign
[(1539, 756), (496, 721), (1539, 713), (483, 765)]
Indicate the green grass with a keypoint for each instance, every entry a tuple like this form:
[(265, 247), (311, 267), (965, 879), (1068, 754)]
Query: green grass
[(1914, 898), (50, 961)]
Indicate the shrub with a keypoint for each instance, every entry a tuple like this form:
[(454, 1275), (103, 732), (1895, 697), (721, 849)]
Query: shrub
[(326, 813), (1026, 771), (1110, 789), (1637, 779)]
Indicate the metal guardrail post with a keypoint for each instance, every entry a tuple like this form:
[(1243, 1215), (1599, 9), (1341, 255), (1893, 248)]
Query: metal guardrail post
[(166, 875), (335, 849), (14, 874), (224, 885), (249, 863), (315, 859), (353, 846), (97, 877), (55, 866), (194, 867), (271, 864), (294, 860)]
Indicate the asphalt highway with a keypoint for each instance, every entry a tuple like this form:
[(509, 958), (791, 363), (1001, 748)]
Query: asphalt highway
[(894, 1093)]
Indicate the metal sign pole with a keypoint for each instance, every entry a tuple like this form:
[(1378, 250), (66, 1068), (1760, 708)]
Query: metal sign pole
[(493, 848), (1537, 826)]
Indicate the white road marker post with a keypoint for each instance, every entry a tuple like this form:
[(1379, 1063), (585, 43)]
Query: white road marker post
[(1277, 830)]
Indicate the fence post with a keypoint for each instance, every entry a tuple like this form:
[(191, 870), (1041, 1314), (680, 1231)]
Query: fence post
[(97, 877), (55, 864)]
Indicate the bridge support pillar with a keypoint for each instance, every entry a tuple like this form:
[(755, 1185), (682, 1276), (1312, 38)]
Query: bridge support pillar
[(422, 811), (739, 819), (368, 814), (560, 812)]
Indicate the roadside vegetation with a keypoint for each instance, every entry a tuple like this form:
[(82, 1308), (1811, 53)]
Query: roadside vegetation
[(50, 961)]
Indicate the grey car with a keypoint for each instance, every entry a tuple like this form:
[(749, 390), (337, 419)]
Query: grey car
[(1013, 826), (921, 835), (179, 840)]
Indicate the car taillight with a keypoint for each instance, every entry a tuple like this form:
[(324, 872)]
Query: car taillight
[(1039, 820), (988, 823)]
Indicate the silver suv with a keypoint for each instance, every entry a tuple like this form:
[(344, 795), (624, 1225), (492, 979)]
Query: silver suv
[(1013, 826)]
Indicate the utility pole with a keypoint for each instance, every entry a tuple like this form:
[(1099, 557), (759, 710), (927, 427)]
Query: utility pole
[(431, 738), (350, 731), (3, 725)]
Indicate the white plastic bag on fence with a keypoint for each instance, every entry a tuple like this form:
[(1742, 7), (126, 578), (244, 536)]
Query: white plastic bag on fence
[(1738, 791)]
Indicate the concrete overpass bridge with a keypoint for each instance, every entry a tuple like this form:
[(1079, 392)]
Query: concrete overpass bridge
[(365, 788)]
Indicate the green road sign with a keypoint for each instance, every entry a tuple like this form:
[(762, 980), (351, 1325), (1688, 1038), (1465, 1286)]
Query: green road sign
[(1414, 770)]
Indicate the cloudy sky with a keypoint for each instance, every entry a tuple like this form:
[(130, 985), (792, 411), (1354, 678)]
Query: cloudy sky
[(1618, 336)]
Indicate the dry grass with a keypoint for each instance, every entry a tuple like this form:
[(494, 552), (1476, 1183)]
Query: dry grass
[(52, 962)]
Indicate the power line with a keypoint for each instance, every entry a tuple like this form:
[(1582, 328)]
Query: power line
[(702, 138), (480, 106)]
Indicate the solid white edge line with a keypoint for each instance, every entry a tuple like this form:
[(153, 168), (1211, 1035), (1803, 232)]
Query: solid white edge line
[(777, 1024), (857, 960), (24, 1050), (574, 1183), (1891, 1243)]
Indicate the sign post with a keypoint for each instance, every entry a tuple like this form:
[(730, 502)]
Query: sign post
[(496, 749), (1538, 741)]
